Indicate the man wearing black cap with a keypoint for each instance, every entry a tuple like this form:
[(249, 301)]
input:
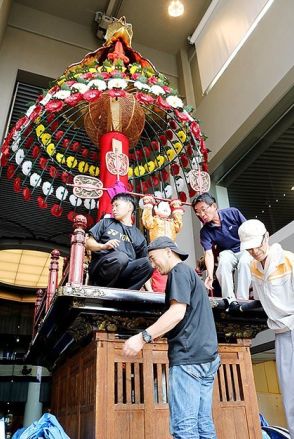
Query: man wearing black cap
[(119, 249), (192, 342)]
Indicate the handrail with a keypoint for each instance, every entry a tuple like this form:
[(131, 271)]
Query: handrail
[(72, 273)]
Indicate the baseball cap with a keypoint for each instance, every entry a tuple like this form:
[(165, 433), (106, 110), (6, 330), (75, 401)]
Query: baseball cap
[(165, 242), (251, 233)]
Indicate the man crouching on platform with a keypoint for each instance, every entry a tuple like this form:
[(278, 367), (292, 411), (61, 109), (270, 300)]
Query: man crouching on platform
[(119, 249)]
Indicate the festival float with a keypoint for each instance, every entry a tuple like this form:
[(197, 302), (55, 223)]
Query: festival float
[(112, 123)]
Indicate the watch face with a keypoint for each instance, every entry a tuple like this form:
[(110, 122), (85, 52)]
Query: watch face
[(146, 337)]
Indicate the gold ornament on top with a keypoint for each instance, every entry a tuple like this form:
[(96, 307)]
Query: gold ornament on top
[(119, 29)]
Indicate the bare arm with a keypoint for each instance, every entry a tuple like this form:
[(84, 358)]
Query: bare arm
[(94, 246), (165, 323), (168, 320), (209, 262)]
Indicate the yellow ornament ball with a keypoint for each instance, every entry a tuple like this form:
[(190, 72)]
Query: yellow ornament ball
[(182, 136), (139, 170), (51, 149), (45, 138), (71, 161), (159, 160), (178, 146), (40, 130), (60, 158), (171, 153), (130, 172), (150, 166), (83, 167), (94, 171)]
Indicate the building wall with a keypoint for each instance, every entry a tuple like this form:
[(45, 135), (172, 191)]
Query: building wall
[(22, 50), (258, 77), (268, 393), (4, 12), (285, 237)]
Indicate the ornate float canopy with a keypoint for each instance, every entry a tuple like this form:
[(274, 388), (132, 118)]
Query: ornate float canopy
[(111, 116)]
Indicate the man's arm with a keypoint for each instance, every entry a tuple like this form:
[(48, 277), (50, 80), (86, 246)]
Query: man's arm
[(94, 246), (207, 244), (209, 263), (141, 249), (165, 323), (240, 217)]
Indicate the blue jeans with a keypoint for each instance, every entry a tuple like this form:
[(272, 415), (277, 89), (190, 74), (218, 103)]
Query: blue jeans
[(190, 400)]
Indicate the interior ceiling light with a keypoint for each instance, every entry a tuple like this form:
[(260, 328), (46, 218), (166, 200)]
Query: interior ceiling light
[(25, 268), (175, 8)]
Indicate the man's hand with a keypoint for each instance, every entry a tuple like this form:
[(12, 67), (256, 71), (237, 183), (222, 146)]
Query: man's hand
[(133, 345), (208, 283), (112, 244), (94, 246)]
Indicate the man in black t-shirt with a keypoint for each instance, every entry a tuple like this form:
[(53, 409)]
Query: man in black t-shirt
[(192, 343), (119, 249)]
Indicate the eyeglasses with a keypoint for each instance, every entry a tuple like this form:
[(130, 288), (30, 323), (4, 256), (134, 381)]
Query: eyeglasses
[(203, 210), (257, 248)]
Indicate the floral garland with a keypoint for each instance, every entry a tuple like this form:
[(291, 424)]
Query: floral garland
[(177, 147)]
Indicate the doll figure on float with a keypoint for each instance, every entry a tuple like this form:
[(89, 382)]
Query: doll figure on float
[(164, 218)]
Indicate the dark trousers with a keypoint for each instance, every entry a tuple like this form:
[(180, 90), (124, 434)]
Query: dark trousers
[(117, 271)]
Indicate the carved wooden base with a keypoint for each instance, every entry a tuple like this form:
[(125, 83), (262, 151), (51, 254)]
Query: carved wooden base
[(100, 394), (77, 311)]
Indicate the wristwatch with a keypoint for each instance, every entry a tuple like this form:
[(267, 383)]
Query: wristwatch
[(146, 336)]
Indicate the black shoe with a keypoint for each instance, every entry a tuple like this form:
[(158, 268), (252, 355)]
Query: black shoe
[(222, 304), (234, 306)]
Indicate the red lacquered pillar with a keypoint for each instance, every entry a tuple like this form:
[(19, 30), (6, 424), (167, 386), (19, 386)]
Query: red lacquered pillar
[(77, 251), (53, 277)]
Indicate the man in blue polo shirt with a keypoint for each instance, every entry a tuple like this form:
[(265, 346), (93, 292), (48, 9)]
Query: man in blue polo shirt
[(220, 228)]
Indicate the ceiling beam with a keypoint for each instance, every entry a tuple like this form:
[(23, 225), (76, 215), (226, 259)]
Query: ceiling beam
[(113, 8)]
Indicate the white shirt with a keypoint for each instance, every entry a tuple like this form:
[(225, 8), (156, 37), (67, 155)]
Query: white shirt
[(273, 285)]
